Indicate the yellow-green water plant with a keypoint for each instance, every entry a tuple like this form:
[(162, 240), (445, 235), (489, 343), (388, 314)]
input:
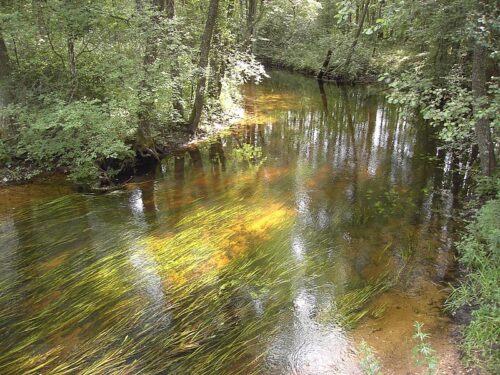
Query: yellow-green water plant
[(368, 360), (182, 300), (352, 306), (423, 353)]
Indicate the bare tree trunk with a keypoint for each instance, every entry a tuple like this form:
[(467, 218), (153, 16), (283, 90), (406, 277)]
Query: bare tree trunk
[(175, 74), (5, 92), (358, 33), (5, 67), (170, 8), (251, 15), (217, 64), (146, 102), (326, 63), (72, 64), (72, 57), (206, 41), (482, 126)]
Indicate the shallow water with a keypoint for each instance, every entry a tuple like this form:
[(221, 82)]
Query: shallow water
[(324, 219)]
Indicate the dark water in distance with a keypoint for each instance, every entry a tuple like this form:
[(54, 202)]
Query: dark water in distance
[(263, 252)]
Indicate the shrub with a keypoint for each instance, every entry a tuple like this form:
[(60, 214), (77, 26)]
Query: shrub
[(77, 136)]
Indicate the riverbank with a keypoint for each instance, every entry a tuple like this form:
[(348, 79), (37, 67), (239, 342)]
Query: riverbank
[(474, 301), (176, 141), (312, 72), (469, 343)]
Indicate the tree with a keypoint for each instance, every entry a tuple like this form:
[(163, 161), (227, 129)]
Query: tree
[(4, 59), (358, 32), (482, 123), (5, 70), (326, 63), (177, 89), (206, 42), (146, 103)]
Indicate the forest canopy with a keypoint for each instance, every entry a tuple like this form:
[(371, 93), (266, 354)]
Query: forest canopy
[(99, 88)]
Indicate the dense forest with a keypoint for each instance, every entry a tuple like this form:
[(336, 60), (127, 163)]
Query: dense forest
[(103, 90), (96, 87)]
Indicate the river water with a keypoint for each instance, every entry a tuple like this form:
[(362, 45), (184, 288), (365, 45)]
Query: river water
[(324, 219)]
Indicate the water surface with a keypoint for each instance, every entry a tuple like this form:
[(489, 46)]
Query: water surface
[(322, 220)]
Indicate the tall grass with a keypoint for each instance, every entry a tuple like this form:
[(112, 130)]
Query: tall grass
[(479, 250)]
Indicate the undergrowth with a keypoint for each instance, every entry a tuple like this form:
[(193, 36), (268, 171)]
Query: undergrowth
[(479, 255)]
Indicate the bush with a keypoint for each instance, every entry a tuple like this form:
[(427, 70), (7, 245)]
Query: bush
[(77, 136)]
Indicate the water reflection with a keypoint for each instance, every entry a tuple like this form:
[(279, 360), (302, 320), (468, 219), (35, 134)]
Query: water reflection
[(233, 263)]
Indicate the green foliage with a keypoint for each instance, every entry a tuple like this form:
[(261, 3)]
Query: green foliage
[(479, 250), (387, 203), (423, 353), (95, 81), (75, 136), (287, 39), (369, 362), (431, 73), (449, 107), (298, 34), (487, 187), (491, 105), (5, 153), (409, 87), (249, 153)]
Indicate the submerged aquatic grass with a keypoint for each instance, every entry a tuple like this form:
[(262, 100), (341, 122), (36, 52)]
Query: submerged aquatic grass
[(349, 308), (160, 303), (352, 306)]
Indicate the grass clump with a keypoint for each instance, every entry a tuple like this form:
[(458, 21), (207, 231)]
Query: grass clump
[(368, 360), (423, 353), (479, 250)]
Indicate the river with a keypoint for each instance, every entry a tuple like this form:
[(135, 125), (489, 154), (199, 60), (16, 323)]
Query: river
[(325, 218)]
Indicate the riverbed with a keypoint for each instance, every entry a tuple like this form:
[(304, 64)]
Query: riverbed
[(325, 218)]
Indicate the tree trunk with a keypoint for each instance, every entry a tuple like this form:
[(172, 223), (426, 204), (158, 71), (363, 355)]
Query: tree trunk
[(72, 64), (170, 8), (358, 33), (5, 92), (217, 64), (326, 63), (482, 126), (206, 41), (251, 15), (146, 102), (5, 67), (175, 74)]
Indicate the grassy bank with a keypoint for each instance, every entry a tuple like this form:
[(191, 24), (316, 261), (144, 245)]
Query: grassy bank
[(476, 300)]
